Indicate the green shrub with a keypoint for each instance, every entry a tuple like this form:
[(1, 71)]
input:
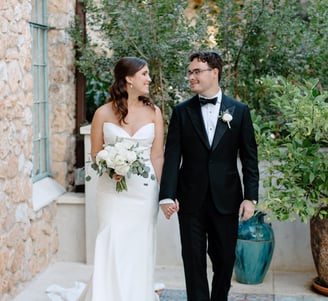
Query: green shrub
[(294, 147)]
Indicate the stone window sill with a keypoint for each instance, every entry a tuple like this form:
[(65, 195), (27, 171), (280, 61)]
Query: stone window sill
[(45, 191)]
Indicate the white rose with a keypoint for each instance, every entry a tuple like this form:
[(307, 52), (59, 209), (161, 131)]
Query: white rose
[(102, 155), (226, 117), (109, 157), (120, 158), (110, 161), (130, 156), (122, 169)]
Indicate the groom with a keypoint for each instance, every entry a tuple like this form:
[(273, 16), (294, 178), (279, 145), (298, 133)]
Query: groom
[(206, 135)]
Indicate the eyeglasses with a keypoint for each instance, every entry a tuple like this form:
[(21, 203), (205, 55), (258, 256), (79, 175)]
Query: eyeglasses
[(196, 72)]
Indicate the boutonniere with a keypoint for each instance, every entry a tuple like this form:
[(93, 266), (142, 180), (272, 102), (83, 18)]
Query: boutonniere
[(225, 116)]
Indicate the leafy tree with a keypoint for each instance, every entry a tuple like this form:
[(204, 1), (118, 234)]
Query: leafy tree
[(256, 38), (267, 37), (157, 31)]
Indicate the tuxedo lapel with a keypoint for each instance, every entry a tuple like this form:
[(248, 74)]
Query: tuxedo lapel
[(221, 126), (196, 118)]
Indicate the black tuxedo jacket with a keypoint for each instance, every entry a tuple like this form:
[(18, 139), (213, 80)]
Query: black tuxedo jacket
[(192, 166)]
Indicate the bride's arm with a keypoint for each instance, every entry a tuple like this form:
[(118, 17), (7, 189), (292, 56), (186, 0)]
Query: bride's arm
[(157, 150), (96, 134)]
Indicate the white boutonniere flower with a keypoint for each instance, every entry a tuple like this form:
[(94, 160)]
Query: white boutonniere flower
[(225, 116)]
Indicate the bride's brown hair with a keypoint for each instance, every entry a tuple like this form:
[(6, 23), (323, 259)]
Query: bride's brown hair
[(126, 66)]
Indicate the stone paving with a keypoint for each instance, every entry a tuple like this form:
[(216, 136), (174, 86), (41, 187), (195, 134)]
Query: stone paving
[(180, 295), (277, 286)]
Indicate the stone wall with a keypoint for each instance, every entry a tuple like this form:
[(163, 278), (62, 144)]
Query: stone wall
[(28, 238), (61, 91)]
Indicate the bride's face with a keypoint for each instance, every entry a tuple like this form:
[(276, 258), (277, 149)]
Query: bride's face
[(140, 81)]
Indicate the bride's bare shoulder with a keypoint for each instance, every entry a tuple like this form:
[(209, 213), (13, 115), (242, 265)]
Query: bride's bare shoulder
[(104, 112)]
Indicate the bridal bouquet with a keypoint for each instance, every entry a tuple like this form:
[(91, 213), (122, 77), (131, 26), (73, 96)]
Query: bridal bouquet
[(123, 158)]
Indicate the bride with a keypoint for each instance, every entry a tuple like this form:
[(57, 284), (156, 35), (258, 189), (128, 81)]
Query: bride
[(125, 245)]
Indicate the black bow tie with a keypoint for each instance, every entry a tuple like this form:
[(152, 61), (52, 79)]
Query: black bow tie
[(205, 101)]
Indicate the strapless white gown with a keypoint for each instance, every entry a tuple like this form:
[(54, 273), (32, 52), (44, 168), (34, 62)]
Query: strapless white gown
[(126, 240)]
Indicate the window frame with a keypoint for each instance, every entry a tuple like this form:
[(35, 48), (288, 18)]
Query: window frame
[(40, 106)]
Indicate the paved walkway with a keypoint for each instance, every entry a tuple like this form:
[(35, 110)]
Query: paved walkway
[(277, 286)]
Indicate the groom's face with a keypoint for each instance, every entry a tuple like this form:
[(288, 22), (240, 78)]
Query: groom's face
[(202, 77)]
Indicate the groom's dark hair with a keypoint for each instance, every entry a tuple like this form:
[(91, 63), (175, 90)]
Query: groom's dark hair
[(212, 58)]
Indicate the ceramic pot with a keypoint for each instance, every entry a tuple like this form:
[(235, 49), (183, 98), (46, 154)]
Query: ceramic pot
[(319, 247), (254, 250)]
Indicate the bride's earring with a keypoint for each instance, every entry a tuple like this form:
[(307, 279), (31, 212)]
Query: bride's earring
[(131, 86)]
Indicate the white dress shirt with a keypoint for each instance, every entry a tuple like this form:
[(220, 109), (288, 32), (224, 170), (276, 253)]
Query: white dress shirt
[(210, 114)]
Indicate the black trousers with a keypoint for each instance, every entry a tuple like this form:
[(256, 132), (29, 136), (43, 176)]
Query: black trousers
[(202, 233)]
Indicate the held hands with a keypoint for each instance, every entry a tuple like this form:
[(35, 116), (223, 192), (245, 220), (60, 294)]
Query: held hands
[(170, 208), (246, 210)]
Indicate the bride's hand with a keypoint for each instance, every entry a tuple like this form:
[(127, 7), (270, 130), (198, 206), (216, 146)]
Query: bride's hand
[(170, 209), (117, 177)]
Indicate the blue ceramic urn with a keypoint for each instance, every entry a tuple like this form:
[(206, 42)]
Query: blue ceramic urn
[(255, 245)]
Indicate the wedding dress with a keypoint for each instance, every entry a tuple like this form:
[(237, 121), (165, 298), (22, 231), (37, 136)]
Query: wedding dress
[(125, 245)]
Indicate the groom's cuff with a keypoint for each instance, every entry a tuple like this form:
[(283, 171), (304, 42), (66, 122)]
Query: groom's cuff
[(166, 201)]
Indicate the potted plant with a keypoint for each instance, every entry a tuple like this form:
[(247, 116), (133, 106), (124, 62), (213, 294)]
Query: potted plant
[(294, 147)]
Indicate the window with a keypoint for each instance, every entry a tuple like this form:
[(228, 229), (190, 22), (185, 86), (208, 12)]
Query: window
[(39, 31), (45, 189)]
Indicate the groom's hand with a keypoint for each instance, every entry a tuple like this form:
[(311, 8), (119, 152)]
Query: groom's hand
[(246, 210)]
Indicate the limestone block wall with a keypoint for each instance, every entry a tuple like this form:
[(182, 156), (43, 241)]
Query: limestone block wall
[(61, 91), (28, 238)]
